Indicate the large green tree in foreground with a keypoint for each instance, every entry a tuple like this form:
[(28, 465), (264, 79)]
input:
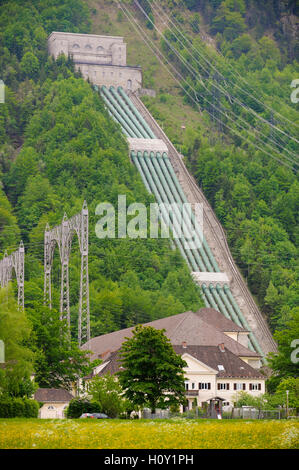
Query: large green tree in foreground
[(152, 373)]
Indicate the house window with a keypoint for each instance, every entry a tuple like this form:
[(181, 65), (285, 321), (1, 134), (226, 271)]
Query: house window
[(193, 386), (239, 386), (186, 386), (256, 386), (204, 386), (223, 386), (225, 403), (51, 407)]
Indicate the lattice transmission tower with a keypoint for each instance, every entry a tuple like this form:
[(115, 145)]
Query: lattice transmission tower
[(62, 235), (15, 261)]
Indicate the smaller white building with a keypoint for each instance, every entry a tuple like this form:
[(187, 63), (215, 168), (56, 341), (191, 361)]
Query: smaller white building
[(55, 401)]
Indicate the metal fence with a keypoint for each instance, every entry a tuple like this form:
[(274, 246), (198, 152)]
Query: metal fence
[(160, 414), (253, 413), (235, 413)]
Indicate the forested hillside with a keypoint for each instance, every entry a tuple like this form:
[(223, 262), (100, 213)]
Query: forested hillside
[(58, 148)]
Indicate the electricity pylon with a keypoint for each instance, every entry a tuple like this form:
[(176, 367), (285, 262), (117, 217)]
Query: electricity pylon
[(62, 235), (15, 261)]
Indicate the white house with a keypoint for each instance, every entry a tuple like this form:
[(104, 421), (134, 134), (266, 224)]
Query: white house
[(219, 364), (55, 401)]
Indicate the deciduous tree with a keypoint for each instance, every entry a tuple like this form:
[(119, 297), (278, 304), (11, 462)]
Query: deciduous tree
[(15, 329), (152, 373)]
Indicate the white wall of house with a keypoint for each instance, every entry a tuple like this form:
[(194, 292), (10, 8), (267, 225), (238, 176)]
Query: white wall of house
[(198, 373), (254, 387), (52, 410)]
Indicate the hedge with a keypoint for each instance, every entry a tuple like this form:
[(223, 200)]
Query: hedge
[(78, 406), (18, 408)]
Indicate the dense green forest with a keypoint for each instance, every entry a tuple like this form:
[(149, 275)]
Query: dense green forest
[(59, 147)]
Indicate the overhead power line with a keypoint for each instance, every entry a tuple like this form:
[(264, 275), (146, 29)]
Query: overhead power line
[(195, 73), (160, 56), (233, 72)]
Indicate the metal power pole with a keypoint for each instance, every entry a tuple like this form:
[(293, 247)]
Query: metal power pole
[(84, 320), (63, 235), (15, 262)]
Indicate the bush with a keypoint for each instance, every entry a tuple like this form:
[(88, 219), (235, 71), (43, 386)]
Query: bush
[(31, 408), (18, 408), (106, 391), (78, 406)]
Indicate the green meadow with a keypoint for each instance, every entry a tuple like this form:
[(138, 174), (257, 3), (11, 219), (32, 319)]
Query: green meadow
[(146, 434)]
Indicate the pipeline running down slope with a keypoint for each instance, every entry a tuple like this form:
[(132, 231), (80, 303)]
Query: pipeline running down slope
[(160, 179)]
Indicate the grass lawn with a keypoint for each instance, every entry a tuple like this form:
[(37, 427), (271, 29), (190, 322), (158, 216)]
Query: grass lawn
[(25, 433)]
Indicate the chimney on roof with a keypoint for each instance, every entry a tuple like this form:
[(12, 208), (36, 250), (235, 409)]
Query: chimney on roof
[(221, 347), (184, 344)]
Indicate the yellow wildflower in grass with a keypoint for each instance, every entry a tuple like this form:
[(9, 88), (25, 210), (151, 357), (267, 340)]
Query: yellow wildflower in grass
[(143, 434)]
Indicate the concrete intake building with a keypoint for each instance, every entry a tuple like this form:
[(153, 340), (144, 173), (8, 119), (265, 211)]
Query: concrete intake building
[(101, 59)]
